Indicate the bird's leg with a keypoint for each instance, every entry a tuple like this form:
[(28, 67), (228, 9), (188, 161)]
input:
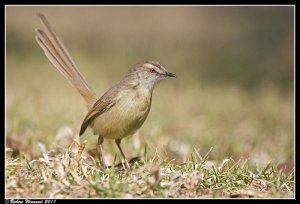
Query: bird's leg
[(118, 142), (99, 150)]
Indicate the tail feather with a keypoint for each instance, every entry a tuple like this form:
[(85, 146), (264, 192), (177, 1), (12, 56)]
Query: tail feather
[(59, 56)]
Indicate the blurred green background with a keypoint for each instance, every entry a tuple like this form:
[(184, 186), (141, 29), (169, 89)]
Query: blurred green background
[(234, 90)]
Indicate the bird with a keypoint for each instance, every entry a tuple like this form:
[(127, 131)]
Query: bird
[(121, 110)]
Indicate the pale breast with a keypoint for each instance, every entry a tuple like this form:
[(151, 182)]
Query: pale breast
[(126, 116)]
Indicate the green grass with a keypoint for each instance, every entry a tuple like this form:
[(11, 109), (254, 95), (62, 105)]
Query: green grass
[(55, 176)]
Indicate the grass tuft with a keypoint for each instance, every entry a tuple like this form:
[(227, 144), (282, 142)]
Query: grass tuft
[(75, 174)]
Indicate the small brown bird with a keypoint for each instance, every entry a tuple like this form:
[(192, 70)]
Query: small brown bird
[(122, 110)]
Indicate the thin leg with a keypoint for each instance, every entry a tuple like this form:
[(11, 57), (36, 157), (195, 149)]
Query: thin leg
[(99, 150), (118, 142)]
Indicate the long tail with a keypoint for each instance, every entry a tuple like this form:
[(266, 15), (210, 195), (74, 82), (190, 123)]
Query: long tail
[(59, 56)]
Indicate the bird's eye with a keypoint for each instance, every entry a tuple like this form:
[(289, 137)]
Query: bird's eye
[(152, 70)]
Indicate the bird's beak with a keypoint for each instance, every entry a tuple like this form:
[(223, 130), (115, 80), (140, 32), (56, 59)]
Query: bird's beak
[(169, 74)]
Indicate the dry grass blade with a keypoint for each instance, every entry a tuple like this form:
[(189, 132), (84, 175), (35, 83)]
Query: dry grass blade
[(81, 147)]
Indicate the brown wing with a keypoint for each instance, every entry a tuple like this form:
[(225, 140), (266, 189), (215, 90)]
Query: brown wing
[(106, 102)]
